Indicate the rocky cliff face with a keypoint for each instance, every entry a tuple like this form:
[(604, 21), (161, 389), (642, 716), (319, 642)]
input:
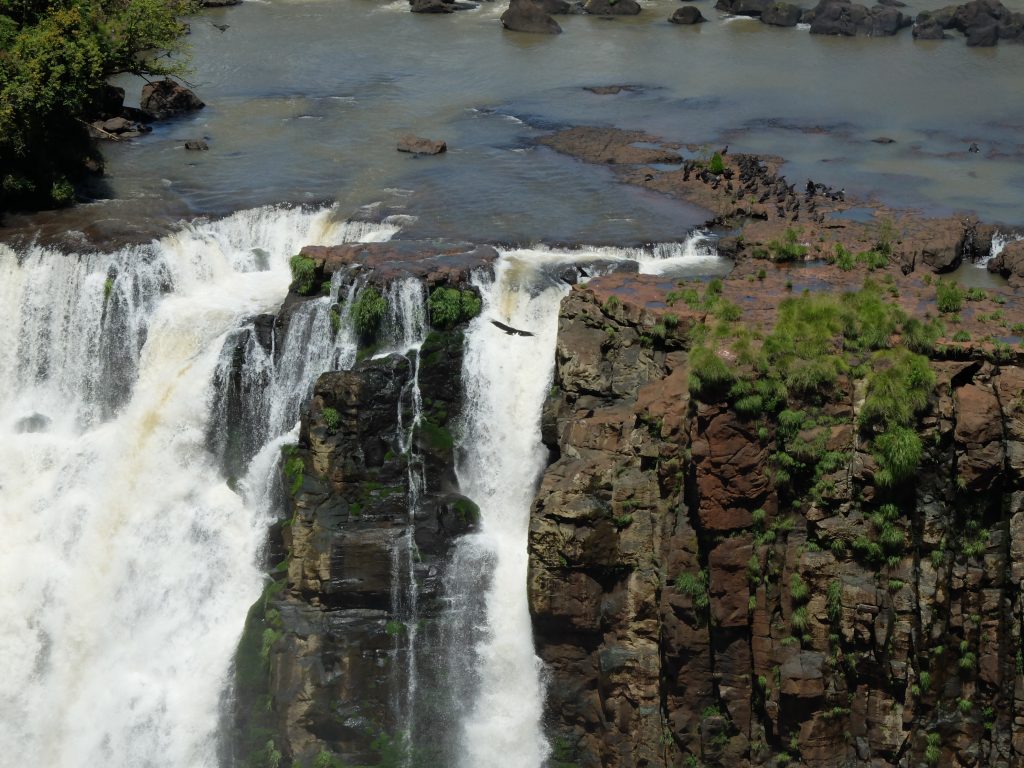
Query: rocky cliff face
[(695, 608), (346, 658)]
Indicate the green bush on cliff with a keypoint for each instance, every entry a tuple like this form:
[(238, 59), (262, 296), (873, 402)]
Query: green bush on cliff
[(450, 306), (303, 271), (368, 313), (716, 165)]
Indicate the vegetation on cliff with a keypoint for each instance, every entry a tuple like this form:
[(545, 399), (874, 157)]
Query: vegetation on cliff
[(55, 58)]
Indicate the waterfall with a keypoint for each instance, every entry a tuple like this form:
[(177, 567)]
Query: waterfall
[(999, 241), (506, 381), (129, 563)]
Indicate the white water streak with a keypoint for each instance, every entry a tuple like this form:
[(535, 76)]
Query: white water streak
[(128, 564)]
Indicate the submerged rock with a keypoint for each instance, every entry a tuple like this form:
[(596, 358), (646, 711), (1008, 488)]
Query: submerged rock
[(420, 146), (612, 7), (687, 14)]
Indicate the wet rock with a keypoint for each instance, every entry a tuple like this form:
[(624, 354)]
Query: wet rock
[(612, 7), (196, 145), (420, 146), (117, 128), (433, 261), (782, 14), (166, 98), (37, 422), (529, 16), (1009, 263), (743, 7), (219, 3), (687, 14), (842, 17)]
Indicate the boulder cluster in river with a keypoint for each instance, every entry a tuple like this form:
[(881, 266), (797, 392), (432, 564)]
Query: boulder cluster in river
[(983, 22)]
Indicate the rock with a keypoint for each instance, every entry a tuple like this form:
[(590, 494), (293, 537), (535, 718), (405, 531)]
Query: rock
[(117, 125), (842, 17), (196, 145), (687, 14), (529, 16), (37, 422), (219, 3), (439, 6), (928, 29), (1010, 263), (982, 36), (743, 7), (430, 6), (166, 98), (612, 7), (883, 140), (420, 146), (781, 14)]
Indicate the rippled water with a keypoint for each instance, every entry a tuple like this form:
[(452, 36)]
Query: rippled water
[(307, 97)]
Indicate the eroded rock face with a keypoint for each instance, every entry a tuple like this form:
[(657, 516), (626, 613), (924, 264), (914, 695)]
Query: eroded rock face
[(1010, 263), (328, 663), (690, 610)]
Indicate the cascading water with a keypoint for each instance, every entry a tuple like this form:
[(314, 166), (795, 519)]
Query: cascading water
[(999, 241), (130, 564), (507, 380)]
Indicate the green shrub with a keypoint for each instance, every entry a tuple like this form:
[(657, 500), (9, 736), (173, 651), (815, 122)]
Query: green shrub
[(898, 388), (798, 620), (450, 306), (898, 452), (708, 371), (798, 589), (716, 165), (843, 258), (975, 294), (948, 296), (368, 313), (331, 419), (303, 274), (695, 585), (834, 601), (789, 248)]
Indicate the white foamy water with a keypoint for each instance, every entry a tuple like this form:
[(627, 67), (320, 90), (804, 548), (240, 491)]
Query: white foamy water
[(127, 563), (999, 241)]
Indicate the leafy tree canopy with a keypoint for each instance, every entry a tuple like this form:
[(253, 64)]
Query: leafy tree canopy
[(55, 57)]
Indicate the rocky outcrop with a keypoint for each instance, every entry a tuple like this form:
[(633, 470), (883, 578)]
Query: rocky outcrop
[(782, 14), (529, 16), (358, 615), (1010, 263), (166, 98), (982, 22), (842, 17), (694, 608)]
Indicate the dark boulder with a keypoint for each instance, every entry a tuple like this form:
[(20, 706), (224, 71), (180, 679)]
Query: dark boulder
[(420, 146), (439, 6), (219, 3), (984, 36), (196, 145), (928, 29), (841, 17), (613, 7), (166, 98), (782, 14), (529, 16), (743, 7), (687, 14), (559, 7)]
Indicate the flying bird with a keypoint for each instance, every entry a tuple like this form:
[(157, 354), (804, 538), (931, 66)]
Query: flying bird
[(510, 330)]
